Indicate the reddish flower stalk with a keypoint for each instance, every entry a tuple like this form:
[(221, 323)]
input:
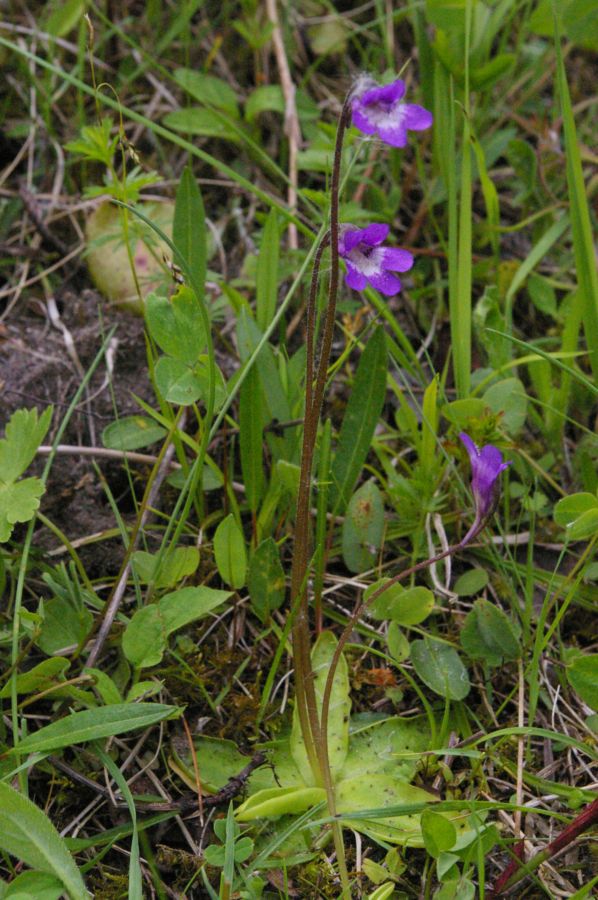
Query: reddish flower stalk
[(516, 871)]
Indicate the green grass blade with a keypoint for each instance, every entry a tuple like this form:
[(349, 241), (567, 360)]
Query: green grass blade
[(135, 891), (267, 272), (581, 230)]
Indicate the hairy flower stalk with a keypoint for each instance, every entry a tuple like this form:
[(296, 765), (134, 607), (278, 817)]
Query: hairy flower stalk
[(315, 740), (374, 109)]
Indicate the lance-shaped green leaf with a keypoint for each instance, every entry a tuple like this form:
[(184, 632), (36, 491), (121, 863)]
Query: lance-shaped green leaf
[(230, 553), (251, 434), (28, 835), (94, 724), (267, 272), (360, 420), (266, 579), (189, 226)]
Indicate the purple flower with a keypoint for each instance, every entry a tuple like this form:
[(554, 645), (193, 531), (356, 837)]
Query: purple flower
[(380, 110), (367, 261), (486, 466)]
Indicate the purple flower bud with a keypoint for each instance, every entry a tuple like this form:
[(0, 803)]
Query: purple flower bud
[(380, 110), (486, 466), (367, 261)]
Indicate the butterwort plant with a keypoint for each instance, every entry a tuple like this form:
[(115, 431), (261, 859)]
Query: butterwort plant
[(380, 112)]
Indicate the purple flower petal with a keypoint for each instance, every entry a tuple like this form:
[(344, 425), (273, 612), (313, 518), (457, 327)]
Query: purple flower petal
[(387, 283), (368, 261), (354, 278), (374, 234), (415, 117), (397, 260), (378, 109), (470, 447), (486, 466), (387, 93), (361, 121), (349, 239), (394, 134)]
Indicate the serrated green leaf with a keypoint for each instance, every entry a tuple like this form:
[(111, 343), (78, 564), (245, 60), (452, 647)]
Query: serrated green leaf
[(95, 142), (24, 433), (18, 503), (28, 835)]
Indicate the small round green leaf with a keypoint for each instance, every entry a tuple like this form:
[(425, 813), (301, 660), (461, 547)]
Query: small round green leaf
[(398, 645), (406, 606), (470, 583), (583, 678), (438, 832), (132, 433), (568, 510), (440, 668), (488, 634)]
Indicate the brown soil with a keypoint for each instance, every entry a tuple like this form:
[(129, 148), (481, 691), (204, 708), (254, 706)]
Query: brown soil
[(37, 369)]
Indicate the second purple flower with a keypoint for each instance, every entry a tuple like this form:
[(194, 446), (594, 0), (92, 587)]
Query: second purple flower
[(380, 110), (370, 263), (486, 466)]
